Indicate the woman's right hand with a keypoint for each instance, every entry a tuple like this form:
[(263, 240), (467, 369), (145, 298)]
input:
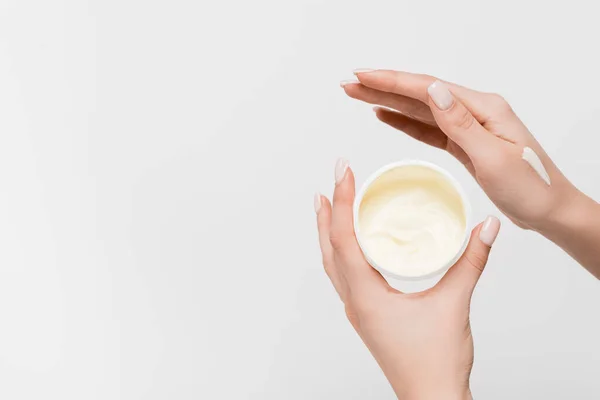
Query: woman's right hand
[(479, 129), (482, 131), (422, 341)]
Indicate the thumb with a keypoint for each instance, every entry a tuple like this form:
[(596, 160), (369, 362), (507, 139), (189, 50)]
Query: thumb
[(464, 275), (454, 119)]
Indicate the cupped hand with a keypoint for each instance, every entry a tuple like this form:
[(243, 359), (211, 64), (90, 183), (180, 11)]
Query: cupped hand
[(479, 129), (422, 341)]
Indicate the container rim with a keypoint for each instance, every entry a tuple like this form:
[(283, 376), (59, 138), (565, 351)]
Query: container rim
[(451, 179)]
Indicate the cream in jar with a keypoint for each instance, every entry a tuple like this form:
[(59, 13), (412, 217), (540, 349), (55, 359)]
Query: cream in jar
[(411, 220)]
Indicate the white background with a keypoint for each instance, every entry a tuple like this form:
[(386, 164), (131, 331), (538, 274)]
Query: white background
[(157, 165)]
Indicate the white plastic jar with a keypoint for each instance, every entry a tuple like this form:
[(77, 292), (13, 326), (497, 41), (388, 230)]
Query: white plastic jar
[(411, 220)]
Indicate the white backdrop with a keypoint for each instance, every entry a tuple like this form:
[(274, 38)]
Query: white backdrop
[(158, 161)]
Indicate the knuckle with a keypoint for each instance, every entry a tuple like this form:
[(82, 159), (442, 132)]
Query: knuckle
[(497, 98), (500, 103), (476, 259), (343, 198), (463, 119), (427, 77), (337, 240), (428, 80)]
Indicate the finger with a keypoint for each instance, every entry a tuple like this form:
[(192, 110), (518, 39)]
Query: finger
[(323, 210), (412, 108), (427, 134), (464, 275), (349, 258), (398, 82), (415, 86), (455, 120)]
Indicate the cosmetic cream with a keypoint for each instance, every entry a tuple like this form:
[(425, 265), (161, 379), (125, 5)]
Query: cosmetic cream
[(532, 159), (411, 220)]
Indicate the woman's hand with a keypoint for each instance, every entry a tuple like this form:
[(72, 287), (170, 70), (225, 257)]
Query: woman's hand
[(422, 341), (479, 129), (482, 131)]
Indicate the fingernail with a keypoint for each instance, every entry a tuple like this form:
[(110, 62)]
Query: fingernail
[(362, 70), (340, 170), (348, 82), (440, 95), (317, 202), (379, 108), (489, 230)]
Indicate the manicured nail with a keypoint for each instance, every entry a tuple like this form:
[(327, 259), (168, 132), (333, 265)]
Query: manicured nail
[(489, 230), (317, 202), (362, 70), (340, 170), (440, 95), (348, 82)]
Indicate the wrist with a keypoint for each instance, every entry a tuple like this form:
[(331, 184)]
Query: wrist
[(575, 227), (565, 212), (568, 216)]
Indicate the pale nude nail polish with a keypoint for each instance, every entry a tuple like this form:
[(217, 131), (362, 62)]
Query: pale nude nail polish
[(317, 202), (340, 170), (441, 96), (489, 230), (362, 70), (380, 108), (348, 82)]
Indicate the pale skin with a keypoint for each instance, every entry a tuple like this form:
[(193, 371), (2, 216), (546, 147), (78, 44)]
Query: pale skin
[(423, 341), (482, 131)]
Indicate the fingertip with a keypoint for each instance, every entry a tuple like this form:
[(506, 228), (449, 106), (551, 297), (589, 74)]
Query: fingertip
[(325, 206), (489, 230), (355, 90), (381, 112), (480, 242), (352, 88), (324, 212), (344, 183), (359, 71), (387, 116), (341, 170), (440, 95), (345, 84), (347, 181), (465, 273), (350, 178), (317, 202), (323, 221)]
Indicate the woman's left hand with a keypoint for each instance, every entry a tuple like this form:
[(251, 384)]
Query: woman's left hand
[(421, 341)]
